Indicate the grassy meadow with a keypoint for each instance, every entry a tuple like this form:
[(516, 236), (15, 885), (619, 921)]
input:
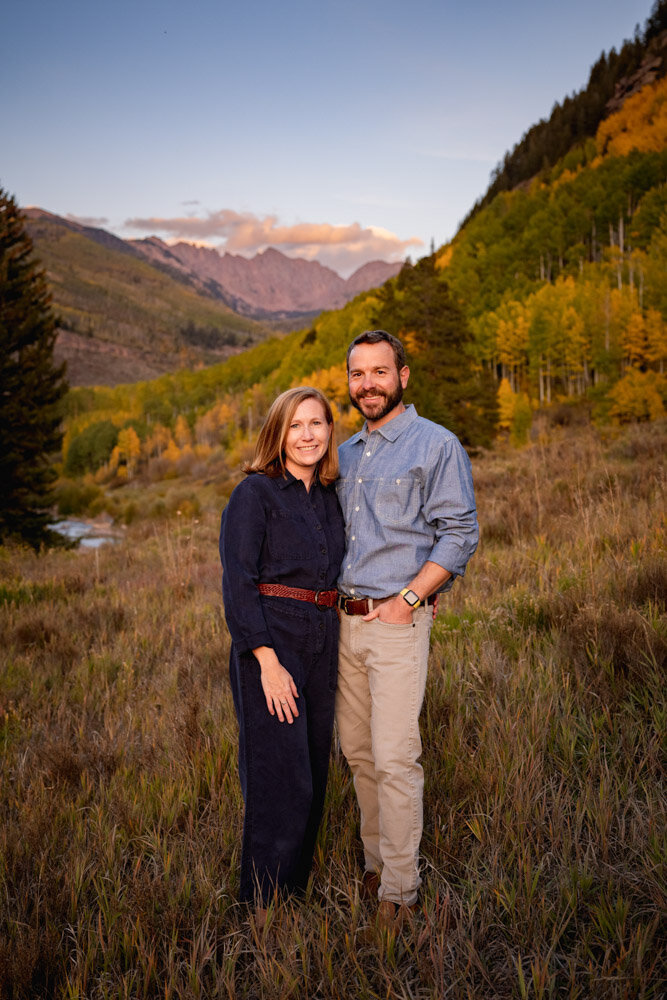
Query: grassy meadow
[(544, 750)]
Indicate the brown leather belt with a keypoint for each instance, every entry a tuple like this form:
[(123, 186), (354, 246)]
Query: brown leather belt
[(364, 605), (320, 598)]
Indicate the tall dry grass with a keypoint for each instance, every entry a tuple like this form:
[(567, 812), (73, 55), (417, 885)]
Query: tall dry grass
[(544, 735)]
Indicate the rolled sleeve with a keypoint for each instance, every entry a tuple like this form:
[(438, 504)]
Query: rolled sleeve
[(450, 508)]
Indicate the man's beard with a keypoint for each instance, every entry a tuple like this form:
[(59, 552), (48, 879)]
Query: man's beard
[(390, 401)]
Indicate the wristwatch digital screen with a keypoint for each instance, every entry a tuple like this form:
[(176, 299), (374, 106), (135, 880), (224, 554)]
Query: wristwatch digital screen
[(410, 597)]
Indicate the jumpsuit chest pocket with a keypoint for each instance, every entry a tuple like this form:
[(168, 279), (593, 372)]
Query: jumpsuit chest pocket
[(288, 537), (398, 499)]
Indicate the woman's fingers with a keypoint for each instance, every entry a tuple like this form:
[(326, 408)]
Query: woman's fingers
[(283, 712), (286, 708), (281, 694)]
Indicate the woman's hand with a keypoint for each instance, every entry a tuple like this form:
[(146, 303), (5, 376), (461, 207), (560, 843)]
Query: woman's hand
[(278, 685)]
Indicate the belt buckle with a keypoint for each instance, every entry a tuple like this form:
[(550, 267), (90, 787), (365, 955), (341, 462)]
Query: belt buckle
[(320, 607)]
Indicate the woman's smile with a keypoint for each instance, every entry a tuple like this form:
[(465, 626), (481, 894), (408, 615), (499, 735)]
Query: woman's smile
[(307, 439)]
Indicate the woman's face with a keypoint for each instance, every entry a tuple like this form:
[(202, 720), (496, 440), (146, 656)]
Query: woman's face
[(307, 439)]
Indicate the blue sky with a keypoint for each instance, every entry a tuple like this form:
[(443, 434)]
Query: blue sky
[(341, 132)]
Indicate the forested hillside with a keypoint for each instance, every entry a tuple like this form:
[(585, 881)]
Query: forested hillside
[(553, 293), (614, 77), (564, 280), (123, 318)]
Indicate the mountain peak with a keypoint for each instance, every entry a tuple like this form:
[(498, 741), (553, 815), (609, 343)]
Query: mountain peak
[(268, 284)]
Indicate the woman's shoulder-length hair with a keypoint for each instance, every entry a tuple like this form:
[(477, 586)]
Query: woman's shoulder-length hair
[(269, 456)]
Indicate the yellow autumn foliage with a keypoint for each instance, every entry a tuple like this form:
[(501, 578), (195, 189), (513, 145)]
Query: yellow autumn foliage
[(641, 123), (182, 434), (331, 381), (126, 454), (157, 440), (638, 396), (506, 404), (656, 339), (443, 258)]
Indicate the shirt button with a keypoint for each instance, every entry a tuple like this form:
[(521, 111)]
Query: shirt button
[(349, 565), (356, 508), (354, 538), (351, 588), (323, 549), (360, 480), (368, 453), (321, 626)]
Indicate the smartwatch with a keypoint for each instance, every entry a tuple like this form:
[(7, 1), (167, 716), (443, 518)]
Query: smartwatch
[(410, 597)]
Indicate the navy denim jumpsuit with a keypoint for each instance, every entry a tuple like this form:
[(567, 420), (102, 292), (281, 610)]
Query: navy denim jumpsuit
[(274, 531)]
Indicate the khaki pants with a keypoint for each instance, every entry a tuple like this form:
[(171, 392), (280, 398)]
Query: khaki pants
[(381, 683)]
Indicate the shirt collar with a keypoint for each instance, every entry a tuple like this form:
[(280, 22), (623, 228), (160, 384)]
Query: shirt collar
[(394, 427), (288, 479)]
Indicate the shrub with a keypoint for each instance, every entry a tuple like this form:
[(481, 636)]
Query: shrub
[(91, 448), (638, 396), (76, 498)]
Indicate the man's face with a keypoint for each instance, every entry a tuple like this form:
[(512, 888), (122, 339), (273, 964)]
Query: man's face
[(376, 387)]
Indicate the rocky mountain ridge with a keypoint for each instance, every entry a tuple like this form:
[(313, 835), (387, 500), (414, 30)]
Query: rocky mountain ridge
[(132, 310), (268, 285)]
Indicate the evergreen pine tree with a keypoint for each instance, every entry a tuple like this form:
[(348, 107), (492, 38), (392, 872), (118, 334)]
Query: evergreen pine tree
[(444, 385), (31, 386)]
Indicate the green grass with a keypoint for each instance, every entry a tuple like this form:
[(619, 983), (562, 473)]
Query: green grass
[(544, 752)]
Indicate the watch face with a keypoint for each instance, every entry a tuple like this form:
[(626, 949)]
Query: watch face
[(411, 598)]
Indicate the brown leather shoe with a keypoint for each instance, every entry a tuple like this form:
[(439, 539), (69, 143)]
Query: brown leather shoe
[(393, 917), (370, 884)]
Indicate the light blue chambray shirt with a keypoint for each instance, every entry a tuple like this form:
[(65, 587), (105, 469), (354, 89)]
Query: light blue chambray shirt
[(407, 497)]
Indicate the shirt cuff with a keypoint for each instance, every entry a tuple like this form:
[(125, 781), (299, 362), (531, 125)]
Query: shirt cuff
[(250, 642), (451, 558)]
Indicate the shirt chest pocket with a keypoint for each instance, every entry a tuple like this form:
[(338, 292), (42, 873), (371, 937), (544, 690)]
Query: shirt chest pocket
[(398, 500), (288, 538), (344, 488)]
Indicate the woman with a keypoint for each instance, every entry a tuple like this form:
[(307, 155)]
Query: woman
[(281, 545)]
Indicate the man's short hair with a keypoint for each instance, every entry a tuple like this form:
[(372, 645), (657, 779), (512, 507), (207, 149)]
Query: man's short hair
[(377, 337)]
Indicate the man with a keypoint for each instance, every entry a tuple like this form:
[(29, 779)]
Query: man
[(406, 491)]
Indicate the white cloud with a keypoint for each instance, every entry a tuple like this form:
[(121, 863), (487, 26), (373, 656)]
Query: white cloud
[(88, 220), (344, 247)]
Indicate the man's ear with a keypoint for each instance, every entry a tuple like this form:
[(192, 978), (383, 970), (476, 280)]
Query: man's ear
[(404, 375)]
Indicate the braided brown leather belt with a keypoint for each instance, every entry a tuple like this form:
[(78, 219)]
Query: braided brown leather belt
[(320, 598)]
